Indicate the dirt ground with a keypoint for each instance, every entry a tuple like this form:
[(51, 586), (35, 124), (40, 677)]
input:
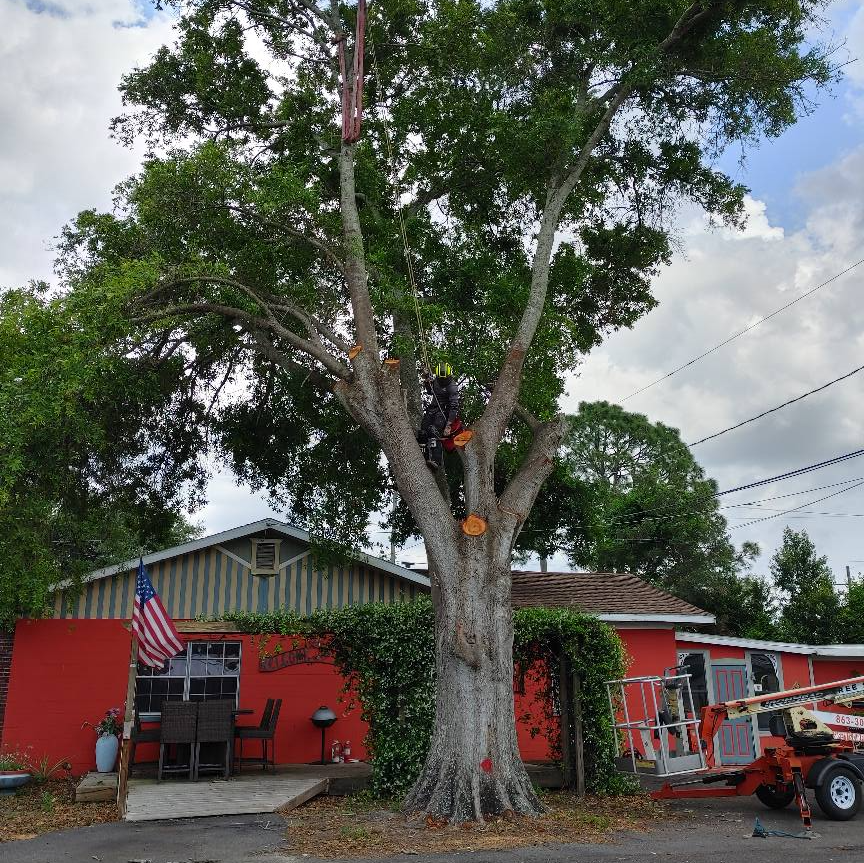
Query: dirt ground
[(345, 828), (44, 807)]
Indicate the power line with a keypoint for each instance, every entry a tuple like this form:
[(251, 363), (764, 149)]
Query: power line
[(792, 493), (779, 407), (796, 508), (797, 472), (742, 332)]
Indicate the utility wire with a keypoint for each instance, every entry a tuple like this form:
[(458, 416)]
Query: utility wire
[(742, 332), (796, 508), (797, 472), (779, 407), (792, 493)]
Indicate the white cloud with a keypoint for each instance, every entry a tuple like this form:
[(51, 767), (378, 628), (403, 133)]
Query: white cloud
[(723, 284), (58, 93)]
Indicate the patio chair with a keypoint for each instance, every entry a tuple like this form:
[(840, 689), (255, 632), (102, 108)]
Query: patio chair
[(177, 729), (215, 726), (264, 734), (141, 735), (265, 719)]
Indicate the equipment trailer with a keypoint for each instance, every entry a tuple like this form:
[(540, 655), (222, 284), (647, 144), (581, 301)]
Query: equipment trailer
[(810, 757)]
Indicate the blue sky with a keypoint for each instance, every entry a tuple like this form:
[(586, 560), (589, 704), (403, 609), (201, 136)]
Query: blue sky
[(773, 169)]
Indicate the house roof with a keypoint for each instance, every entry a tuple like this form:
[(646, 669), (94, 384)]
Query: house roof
[(263, 524), (616, 597), (819, 651)]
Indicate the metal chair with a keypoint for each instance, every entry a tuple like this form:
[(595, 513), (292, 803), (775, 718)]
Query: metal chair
[(264, 734), (141, 735), (215, 725), (177, 728)]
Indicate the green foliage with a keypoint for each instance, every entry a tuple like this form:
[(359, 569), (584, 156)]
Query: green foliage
[(488, 105), (629, 496), (594, 652), (86, 479), (811, 609), (386, 653), (852, 615)]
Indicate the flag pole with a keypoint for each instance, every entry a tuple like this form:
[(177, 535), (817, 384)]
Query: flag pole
[(128, 720), (128, 724)]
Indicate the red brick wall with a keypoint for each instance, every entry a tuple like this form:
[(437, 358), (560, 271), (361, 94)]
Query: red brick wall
[(5, 669)]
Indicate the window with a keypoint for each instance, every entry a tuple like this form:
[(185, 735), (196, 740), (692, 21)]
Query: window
[(205, 670), (694, 665), (765, 681)]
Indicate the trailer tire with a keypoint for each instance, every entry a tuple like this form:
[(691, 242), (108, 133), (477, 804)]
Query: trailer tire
[(773, 798), (839, 793)]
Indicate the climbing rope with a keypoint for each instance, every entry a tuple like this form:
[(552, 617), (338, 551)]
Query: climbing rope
[(406, 248)]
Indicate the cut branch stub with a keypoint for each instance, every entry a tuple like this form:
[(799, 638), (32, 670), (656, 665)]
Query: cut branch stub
[(474, 525), (462, 438), (391, 364), (354, 351)]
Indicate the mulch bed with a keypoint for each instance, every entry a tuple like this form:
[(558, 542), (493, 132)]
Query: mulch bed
[(333, 827), (41, 808)]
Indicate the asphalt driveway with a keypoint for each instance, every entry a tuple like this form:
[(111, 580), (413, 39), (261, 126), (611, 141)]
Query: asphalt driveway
[(706, 831)]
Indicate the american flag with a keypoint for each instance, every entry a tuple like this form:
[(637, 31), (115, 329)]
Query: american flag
[(158, 640)]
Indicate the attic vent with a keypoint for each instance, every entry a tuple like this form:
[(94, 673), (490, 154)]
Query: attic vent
[(265, 556)]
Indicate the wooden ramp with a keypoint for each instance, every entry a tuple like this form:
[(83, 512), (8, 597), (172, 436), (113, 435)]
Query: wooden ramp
[(148, 800)]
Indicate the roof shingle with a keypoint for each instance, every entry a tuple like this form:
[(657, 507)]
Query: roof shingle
[(596, 593)]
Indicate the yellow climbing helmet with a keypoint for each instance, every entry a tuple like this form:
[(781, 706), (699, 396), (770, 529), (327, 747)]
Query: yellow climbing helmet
[(443, 370)]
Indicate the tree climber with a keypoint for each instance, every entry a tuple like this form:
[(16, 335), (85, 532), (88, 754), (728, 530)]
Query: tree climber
[(440, 415)]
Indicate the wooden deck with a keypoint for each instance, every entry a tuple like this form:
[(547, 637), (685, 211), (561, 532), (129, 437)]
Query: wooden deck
[(148, 800)]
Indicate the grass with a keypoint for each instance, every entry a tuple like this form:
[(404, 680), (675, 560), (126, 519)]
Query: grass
[(333, 827), (42, 807)]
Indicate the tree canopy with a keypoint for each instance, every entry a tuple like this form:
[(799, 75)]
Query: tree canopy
[(85, 479), (476, 114), (810, 611)]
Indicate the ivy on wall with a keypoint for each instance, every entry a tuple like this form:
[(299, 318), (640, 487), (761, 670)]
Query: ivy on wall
[(386, 653)]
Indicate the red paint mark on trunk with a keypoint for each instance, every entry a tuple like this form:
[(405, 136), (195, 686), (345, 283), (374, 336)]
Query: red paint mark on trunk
[(486, 765)]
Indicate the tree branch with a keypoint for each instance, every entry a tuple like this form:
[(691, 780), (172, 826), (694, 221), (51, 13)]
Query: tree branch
[(327, 360), (268, 349), (313, 241), (501, 404)]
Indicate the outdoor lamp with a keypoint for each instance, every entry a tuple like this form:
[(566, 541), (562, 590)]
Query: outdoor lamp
[(323, 718)]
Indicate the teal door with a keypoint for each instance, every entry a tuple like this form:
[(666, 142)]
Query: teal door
[(735, 743)]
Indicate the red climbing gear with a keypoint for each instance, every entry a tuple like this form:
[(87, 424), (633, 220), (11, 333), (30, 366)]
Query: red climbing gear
[(352, 102)]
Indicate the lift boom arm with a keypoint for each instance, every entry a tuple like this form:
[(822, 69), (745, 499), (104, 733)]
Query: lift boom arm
[(713, 716)]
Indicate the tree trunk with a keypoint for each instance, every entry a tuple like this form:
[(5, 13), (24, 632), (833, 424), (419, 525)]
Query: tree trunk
[(473, 767)]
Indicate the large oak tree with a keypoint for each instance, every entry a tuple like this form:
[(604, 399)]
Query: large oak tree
[(535, 151)]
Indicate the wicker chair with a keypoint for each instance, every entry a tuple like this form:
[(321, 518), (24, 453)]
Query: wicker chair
[(141, 735), (215, 725), (262, 733), (177, 728)]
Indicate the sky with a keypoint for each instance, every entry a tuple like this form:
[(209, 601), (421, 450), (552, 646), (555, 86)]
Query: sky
[(63, 59)]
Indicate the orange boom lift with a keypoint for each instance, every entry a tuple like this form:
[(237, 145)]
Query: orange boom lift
[(810, 757)]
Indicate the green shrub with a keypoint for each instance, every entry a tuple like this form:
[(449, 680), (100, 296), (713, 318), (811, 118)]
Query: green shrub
[(386, 653)]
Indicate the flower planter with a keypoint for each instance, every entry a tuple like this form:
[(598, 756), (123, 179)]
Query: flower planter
[(11, 780), (106, 752)]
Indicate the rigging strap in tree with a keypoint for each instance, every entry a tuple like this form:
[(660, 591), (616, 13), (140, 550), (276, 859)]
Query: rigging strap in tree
[(352, 101)]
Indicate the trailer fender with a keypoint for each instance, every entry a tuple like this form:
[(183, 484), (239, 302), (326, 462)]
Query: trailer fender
[(818, 772)]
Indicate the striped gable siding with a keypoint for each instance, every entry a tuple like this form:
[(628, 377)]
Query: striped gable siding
[(209, 583)]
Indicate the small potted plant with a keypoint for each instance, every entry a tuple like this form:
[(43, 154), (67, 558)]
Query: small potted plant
[(15, 770), (107, 743)]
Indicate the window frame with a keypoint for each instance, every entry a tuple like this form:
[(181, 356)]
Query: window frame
[(188, 676)]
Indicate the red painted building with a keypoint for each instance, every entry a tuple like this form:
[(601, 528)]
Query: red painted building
[(70, 668)]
